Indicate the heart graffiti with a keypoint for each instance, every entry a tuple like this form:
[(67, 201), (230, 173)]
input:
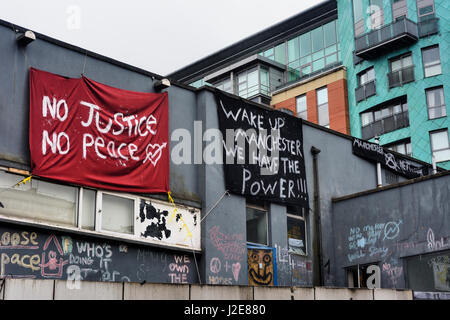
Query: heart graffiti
[(154, 152)]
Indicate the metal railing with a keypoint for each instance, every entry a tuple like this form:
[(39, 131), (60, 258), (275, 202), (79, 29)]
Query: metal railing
[(385, 125), (365, 91), (428, 27), (400, 77), (385, 33)]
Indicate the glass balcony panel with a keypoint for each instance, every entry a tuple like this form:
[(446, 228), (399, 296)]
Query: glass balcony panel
[(388, 38)]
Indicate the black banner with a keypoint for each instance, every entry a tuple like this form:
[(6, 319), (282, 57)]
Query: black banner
[(394, 162), (263, 152)]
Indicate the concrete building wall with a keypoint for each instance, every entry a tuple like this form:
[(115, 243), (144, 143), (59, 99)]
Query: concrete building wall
[(394, 227), (27, 289)]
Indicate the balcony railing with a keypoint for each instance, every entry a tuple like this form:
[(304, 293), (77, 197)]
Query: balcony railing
[(389, 37), (400, 77), (389, 124), (428, 27), (365, 91)]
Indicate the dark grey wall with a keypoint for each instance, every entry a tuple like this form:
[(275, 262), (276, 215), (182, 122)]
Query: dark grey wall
[(387, 226)]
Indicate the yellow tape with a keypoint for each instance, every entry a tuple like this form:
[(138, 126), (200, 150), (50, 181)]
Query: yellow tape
[(189, 235), (24, 181)]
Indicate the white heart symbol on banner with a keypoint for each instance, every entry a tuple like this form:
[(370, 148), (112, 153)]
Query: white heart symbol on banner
[(154, 157)]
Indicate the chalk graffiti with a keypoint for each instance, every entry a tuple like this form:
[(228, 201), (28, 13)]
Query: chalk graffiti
[(232, 246), (215, 266), (434, 244), (393, 272), (179, 269), (176, 267), (372, 240), (300, 269), (53, 267)]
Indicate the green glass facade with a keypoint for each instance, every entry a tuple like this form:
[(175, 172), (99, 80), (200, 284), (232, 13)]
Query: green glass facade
[(396, 79)]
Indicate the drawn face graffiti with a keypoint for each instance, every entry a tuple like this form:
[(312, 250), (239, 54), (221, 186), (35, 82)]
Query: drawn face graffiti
[(260, 267)]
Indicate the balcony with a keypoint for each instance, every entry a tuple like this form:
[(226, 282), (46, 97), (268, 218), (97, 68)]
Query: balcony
[(365, 91), (389, 124), (388, 38), (401, 77), (428, 27)]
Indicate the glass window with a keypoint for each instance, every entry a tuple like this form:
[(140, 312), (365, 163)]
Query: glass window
[(302, 107), (366, 118), (305, 44), (358, 13), (248, 83), (322, 107), (425, 9), (322, 96), (225, 85), (440, 145), (436, 103), (256, 225), (431, 61), (117, 214), (401, 62), (317, 39), (280, 53), (296, 230), (269, 53), (366, 76), (376, 13), (293, 50), (265, 88), (329, 31), (38, 200), (403, 147), (88, 209)]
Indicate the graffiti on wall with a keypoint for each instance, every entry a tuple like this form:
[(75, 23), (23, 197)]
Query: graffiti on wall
[(226, 266), (300, 268), (372, 240), (261, 271), (25, 254)]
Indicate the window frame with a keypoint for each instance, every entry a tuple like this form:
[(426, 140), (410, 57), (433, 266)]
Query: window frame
[(266, 214), (300, 217), (325, 88), (435, 46), (365, 72), (99, 212), (305, 112), (431, 143), (442, 106)]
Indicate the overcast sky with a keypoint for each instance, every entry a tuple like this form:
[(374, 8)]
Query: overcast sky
[(158, 36)]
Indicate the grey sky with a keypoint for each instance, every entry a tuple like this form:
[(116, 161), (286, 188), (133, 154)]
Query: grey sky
[(159, 36)]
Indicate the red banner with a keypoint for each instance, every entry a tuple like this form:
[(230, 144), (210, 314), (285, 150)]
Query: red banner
[(87, 133)]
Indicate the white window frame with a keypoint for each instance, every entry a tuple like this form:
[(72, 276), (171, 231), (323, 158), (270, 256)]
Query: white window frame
[(431, 143), (99, 212)]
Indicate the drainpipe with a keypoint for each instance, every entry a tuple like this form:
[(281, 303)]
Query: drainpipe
[(317, 243), (433, 163), (379, 180)]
